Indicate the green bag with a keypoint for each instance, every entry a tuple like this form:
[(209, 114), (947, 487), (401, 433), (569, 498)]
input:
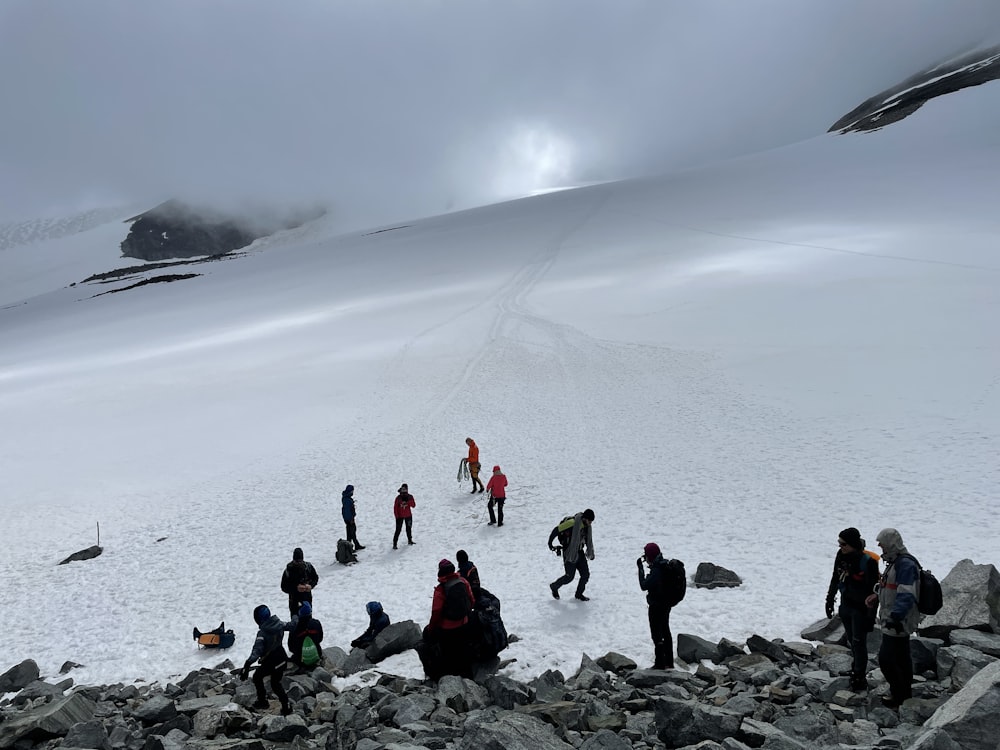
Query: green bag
[(310, 654)]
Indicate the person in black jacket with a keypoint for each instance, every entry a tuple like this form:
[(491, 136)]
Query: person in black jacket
[(306, 626), (855, 574), (268, 649), (467, 569), (378, 621), (659, 608), (350, 516), (298, 581)]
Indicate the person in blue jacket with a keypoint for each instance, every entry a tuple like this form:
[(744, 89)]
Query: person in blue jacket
[(378, 621), (350, 516), (268, 649), (898, 616)]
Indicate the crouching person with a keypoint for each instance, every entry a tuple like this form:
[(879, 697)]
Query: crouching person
[(378, 621), (446, 645), (268, 649)]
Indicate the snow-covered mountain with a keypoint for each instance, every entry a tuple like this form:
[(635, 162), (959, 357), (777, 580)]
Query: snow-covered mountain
[(735, 361)]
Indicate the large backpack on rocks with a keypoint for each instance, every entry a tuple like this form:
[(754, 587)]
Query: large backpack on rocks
[(345, 552), (674, 581), (492, 632)]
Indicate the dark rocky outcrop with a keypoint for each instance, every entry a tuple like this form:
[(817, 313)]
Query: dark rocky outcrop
[(902, 100), (85, 554), (176, 230), (710, 576)]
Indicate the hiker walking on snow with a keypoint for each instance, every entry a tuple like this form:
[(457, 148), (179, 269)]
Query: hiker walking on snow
[(472, 461), (574, 533), (898, 615), (268, 650), (298, 581), (855, 574), (496, 488), (401, 509), (349, 513), (659, 598)]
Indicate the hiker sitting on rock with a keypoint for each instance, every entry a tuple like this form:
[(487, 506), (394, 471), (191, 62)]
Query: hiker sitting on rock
[(378, 621)]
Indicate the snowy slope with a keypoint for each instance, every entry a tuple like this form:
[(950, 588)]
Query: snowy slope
[(736, 362)]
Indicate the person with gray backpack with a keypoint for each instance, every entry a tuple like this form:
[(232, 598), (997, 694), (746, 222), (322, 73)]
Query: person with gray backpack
[(576, 546)]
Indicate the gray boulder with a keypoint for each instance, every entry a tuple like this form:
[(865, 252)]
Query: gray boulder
[(970, 717), (680, 722), (88, 734), (971, 600), (156, 710), (693, 648), (827, 631), (85, 554), (961, 663), (19, 676), (47, 721), (395, 639), (710, 576), (988, 643), (511, 731)]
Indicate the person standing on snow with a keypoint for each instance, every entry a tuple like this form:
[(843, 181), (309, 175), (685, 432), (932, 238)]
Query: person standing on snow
[(855, 574), (655, 586), (350, 516), (267, 648), (574, 534), (497, 490), (898, 616), (401, 509), (298, 581), (474, 465)]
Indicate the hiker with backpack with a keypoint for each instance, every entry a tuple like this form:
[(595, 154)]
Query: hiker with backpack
[(306, 638), (378, 621), (446, 639), (268, 649), (897, 593), (855, 574), (472, 462), (574, 533), (467, 569), (402, 510), (350, 516), (496, 488), (665, 587), (298, 581)]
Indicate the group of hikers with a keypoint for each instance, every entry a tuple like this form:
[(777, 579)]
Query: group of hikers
[(465, 626)]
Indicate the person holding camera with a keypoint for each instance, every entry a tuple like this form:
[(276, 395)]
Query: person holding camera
[(660, 600)]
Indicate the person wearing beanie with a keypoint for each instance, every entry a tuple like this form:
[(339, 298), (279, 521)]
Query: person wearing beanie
[(269, 651), (574, 534), (855, 573), (896, 593), (659, 604), (401, 509), (378, 621), (496, 488), (467, 569), (350, 516), (307, 626), (472, 462), (298, 581), (447, 633)]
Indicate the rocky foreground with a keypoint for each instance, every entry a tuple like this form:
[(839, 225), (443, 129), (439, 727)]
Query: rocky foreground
[(755, 694)]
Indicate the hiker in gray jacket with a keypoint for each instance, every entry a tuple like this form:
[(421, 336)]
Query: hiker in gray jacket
[(898, 616), (574, 534), (268, 648)]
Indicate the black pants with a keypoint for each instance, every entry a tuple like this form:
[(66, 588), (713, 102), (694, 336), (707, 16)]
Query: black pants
[(498, 501), (571, 569), (295, 601), (856, 630), (273, 665), (399, 527), (352, 532), (894, 661), (663, 641)]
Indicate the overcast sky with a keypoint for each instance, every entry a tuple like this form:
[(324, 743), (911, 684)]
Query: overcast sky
[(386, 110)]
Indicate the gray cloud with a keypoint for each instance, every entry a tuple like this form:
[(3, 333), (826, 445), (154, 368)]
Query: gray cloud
[(393, 109)]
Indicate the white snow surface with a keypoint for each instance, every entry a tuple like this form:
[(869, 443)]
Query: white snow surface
[(736, 362)]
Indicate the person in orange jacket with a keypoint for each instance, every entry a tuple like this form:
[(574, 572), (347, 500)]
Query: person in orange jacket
[(497, 487), (474, 465)]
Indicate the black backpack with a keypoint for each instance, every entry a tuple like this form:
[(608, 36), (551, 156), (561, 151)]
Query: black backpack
[(456, 600), (930, 598), (674, 581), (493, 633)]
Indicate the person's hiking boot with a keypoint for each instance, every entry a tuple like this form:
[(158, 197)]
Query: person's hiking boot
[(359, 546), (481, 489), (410, 541), (583, 597), (261, 703), (474, 491), (859, 683), (555, 590), (395, 547), (491, 523), (889, 702), (286, 709), (499, 523)]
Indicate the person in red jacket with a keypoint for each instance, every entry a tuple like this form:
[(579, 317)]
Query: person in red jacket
[(449, 626), (474, 465), (497, 490), (401, 510)]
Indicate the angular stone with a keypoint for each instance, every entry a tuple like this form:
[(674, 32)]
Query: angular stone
[(549, 686), (970, 716), (827, 631), (283, 728), (988, 643), (773, 651), (847, 698), (88, 734), (156, 710), (971, 600), (395, 639), (507, 693), (761, 734), (923, 653), (413, 707), (693, 648), (45, 722), (935, 739), (727, 649), (37, 689), (680, 722), (589, 676), (918, 710), (605, 739), (226, 719), (194, 705), (961, 663), (563, 714), (615, 662), (19, 676), (710, 576), (85, 554), (512, 730)]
